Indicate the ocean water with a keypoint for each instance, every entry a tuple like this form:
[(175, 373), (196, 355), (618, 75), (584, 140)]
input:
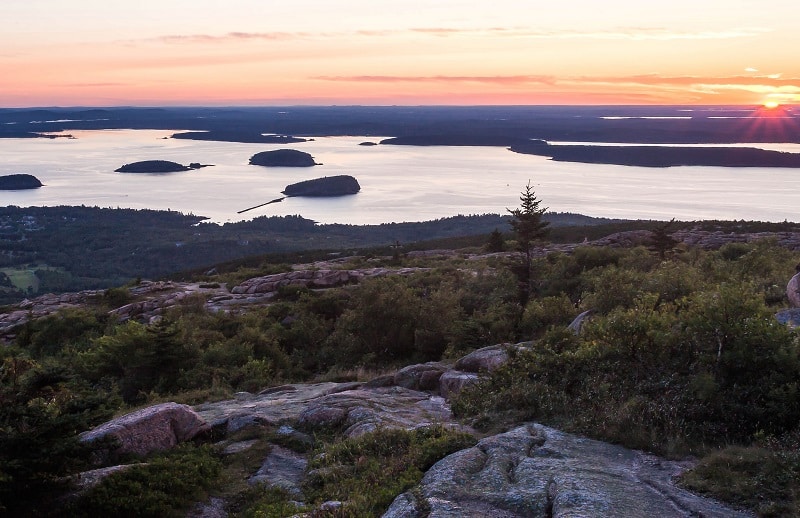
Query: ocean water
[(398, 183)]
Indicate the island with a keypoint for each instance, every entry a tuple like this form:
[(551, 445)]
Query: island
[(19, 182), (661, 156), (247, 137), (489, 140), (283, 158), (328, 186), (158, 166), (368, 143)]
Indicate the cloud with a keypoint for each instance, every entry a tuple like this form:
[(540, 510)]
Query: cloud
[(655, 79), (770, 81), (505, 80), (231, 36), (622, 33)]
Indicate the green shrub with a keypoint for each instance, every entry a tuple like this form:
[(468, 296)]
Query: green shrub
[(166, 485), (765, 481)]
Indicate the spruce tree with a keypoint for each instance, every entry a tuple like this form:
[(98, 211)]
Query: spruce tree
[(529, 227)]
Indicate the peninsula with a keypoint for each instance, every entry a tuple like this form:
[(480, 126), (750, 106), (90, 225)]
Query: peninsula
[(283, 158), (661, 156), (19, 182), (158, 166), (327, 186)]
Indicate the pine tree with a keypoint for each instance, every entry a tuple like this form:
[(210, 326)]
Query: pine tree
[(495, 242), (661, 241), (529, 227)]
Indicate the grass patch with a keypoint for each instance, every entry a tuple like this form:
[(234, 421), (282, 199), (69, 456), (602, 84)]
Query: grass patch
[(22, 278), (768, 482), (368, 472)]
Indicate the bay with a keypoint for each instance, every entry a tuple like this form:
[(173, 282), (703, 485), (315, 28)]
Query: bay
[(398, 183)]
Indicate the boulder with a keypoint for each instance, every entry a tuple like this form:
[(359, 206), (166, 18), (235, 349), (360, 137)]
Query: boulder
[(536, 471), (452, 382), (793, 290), (576, 325), (485, 359), (154, 428), (424, 376)]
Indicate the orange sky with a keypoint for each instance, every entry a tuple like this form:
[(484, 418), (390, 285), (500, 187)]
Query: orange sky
[(254, 52)]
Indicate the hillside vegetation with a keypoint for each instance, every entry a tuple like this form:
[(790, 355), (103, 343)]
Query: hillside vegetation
[(682, 355)]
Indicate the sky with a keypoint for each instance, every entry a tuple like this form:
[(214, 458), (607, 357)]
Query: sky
[(410, 52)]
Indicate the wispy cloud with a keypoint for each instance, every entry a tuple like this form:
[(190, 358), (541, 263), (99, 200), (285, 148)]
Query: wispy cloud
[(231, 36), (520, 79), (774, 81), (621, 33)]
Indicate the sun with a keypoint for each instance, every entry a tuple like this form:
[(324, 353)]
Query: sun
[(771, 104)]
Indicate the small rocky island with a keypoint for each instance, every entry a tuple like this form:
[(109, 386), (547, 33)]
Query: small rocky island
[(327, 186), (283, 158), (158, 166), (19, 182)]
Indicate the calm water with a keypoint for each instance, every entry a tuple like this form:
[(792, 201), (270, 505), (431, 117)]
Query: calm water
[(398, 183)]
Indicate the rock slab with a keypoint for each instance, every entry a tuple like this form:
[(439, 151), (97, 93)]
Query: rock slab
[(536, 471)]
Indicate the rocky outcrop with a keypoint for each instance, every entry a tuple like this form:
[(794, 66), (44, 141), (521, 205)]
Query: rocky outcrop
[(19, 182), (157, 166), (323, 278), (351, 407), (282, 469), (536, 471), (154, 428), (283, 158), (328, 186), (153, 298)]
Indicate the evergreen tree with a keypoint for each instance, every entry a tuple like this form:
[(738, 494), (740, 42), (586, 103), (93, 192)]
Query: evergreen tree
[(661, 241), (495, 243), (529, 227)]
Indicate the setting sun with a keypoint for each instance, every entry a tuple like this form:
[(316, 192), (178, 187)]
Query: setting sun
[(771, 105)]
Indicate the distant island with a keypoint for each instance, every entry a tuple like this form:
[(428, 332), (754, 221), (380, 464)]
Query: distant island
[(158, 166), (368, 143), (248, 137), (19, 182), (340, 185), (283, 158), (661, 156), (455, 140)]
